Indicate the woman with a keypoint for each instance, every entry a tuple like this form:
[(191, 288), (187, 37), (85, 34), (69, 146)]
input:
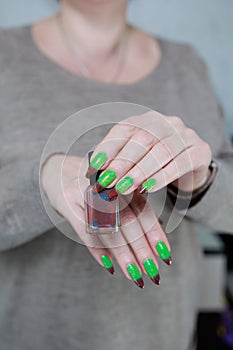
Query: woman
[(52, 294)]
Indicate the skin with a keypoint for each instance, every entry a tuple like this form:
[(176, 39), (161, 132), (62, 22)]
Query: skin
[(96, 28), (155, 146), (133, 244)]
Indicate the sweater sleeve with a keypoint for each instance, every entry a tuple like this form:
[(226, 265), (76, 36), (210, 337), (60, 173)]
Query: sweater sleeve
[(22, 214), (25, 212), (215, 209)]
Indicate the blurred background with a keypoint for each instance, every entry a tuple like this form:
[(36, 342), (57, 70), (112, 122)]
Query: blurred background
[(208, 26)]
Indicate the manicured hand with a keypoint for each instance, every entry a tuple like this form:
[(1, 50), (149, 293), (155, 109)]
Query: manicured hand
[(135, 247), (150, 151)]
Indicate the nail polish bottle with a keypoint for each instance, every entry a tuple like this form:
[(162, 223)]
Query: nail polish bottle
[(101, 209)]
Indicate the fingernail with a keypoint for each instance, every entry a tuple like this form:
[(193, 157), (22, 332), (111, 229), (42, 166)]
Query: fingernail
[(147, 186), (96, 163), (152, 271), (163, 252), (111, 194), (156, 280), (105, 179), (135, 275), (124, 184), (107, 264), (108, 194)]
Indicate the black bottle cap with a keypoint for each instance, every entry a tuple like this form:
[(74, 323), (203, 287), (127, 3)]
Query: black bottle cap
[(94, 177)]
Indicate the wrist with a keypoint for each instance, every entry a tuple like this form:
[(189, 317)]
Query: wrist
[(50, 174), (186, 199), (203, 179), (56, 174)]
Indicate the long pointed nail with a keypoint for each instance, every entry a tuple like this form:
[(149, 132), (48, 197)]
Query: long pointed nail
[(135, 275), (111, 270), (105, 179), (97, 188), (139, 283), (156, 279), (124, 184), (96, 163), (168, 261), (107, 263), (164, 253), (152, 270)]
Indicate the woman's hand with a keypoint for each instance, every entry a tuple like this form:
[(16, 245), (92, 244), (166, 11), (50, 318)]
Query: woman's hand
[(151, 150), (140, 239)]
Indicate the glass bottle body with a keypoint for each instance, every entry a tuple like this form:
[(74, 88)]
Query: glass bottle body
[(101, 211)]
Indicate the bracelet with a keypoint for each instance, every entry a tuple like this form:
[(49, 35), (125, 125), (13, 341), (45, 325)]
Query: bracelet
[(185, 199)]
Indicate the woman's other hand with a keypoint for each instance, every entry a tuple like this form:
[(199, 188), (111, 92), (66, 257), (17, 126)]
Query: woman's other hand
[(150, 151), (135, 247)]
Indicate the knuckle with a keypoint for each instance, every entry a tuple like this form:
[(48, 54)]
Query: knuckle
[(204, 154), (141, 251), (144, 138), (207, 148), (168, 174), (127, 127), (120, 254), (161, 152), (152, 231), (121, 163), (176, 121), (190, 133)]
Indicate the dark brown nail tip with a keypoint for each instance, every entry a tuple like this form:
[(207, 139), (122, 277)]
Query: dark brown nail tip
[(156, 279), (141, 190), (139, 282), (168, 261), (97, 188), (111, 270), (90, 171), (112, 194)]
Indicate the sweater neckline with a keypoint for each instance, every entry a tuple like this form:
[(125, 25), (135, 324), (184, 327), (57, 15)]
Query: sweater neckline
[(82, 80)]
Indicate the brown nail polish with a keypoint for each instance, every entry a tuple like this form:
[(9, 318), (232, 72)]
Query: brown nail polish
[(141, 190), (139, 282), (156, 279), (97, 188), (168, 261), (90, 171), (111, 270), (112, 194)]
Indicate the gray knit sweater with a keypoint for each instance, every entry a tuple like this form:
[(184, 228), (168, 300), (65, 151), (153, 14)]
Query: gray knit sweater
[(53, 294)]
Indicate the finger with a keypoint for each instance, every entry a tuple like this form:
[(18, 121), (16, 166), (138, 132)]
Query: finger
[(158, 156), (133, 151), (109, 147), (154, 233), (134, 234), (75, 215), (127, 261), (184, 163)]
